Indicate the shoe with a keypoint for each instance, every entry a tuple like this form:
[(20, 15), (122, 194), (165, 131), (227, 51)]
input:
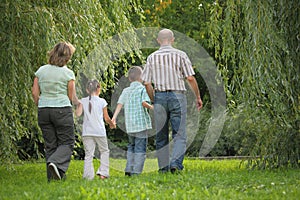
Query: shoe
[(163, 170), (62, 174), (174, 170), (101, 176), (127, 174), (54, 171)]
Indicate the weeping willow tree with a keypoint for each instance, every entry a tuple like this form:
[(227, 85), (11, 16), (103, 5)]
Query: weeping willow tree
[(256, 45), (28, 29)]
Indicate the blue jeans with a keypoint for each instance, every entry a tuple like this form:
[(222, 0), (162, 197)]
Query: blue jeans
[(136, 152), (170, 107)]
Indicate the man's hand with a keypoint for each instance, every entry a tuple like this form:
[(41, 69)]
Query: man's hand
[(199, 103)]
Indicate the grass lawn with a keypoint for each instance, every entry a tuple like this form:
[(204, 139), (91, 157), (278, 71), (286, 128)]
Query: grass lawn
[(224, 179)]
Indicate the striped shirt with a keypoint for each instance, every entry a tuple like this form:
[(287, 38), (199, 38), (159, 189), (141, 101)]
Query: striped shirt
[(137, 118), (167, 68)]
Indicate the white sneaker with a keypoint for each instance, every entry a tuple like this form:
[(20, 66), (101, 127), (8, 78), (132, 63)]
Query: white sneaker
[(54, 171)]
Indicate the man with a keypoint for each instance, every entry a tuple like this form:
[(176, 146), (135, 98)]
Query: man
[(167, 68)]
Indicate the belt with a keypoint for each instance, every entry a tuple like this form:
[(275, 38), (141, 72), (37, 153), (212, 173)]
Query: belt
[(175, 91)]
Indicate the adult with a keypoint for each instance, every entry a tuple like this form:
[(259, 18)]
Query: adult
[(53, 91), (167, 68)]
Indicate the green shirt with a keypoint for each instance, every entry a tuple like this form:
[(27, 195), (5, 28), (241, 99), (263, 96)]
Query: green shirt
[(137, 118), (53, 83)]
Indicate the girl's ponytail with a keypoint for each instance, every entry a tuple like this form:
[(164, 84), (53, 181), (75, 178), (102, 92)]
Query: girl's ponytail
[(92, 87)]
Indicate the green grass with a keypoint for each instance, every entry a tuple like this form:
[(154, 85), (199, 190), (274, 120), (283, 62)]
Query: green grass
[(200, 180)]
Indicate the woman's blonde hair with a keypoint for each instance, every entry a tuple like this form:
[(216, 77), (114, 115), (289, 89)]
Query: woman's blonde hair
[(61, 54)]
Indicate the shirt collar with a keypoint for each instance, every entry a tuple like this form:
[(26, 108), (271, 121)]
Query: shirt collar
[(166, 47), (135, 83)]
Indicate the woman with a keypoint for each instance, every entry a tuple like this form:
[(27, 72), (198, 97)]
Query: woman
[(53, 91)]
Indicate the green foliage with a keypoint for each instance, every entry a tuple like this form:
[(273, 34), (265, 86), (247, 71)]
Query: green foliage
[(256, 48), (252, 47), (227, 179), (28, 29), (255, 45)]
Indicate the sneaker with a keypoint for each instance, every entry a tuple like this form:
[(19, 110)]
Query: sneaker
[(62, 174), (174, 170), (101, 176), (163, 170), (127, 174), (54, 171)]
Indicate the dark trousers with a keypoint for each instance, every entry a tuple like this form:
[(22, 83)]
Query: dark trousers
[(57, 125)]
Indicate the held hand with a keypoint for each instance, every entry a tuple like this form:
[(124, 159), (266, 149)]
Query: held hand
[(78, 103), (151, 107), (112, 126)]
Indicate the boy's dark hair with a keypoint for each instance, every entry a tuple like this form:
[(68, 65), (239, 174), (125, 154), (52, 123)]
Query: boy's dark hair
[(91, 87), (134, 73)]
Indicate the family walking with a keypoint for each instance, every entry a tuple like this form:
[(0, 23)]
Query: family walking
[(160, 86)]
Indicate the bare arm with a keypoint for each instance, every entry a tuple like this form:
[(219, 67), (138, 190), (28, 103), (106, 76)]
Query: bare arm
[(194, 86), (78, 110), (150, 91), (72, 92), (117, 111), (147, 105), (107, 118), (35, 90)]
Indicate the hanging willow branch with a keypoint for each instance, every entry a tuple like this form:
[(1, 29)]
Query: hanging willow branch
[(257, 51), (27, 31)]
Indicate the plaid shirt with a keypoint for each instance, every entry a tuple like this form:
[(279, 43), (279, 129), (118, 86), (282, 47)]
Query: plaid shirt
[(167, 68), (137, 118)]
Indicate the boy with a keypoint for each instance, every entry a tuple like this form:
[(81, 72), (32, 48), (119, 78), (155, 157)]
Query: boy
[(137, 120)]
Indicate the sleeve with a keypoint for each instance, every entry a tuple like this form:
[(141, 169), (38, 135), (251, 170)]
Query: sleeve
[(187, 66), (38, 72), (147, 72), (145, 96), (104, 103), (70, 75), (122, 98)]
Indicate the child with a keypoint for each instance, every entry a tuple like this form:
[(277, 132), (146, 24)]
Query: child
[(137, 120), (93, 130)]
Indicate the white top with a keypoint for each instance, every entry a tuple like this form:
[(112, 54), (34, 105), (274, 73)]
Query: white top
[(93, 124)]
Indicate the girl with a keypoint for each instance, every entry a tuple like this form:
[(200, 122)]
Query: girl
[(93, 130)]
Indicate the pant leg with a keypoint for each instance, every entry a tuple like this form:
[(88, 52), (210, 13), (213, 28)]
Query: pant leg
[(89, 150), (49, 135), (161, 119), (177, 108), (104, 156), (62, 119), (140, 147), (130, 154)]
